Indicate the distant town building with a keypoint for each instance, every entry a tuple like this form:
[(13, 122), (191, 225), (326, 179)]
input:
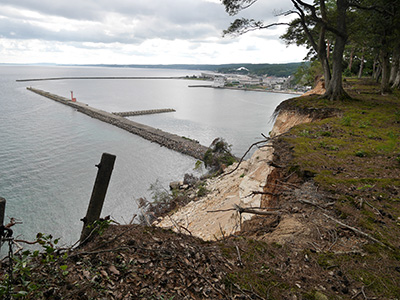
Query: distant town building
[(242, 69), (219, 81)]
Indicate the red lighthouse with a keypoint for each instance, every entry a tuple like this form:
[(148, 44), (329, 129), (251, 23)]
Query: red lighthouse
[(72, 97)]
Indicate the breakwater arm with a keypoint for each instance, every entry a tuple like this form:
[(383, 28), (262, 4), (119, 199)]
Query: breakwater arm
[(102, 77), (169, 140), (143, 112)]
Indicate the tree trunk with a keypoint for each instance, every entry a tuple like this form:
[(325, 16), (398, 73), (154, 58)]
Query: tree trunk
[(351, 59), (385, 87), (323, 58), (360, 71), (396, 83), (319, 46), (335, 89), (323, 48), (395, 64), (376, 68)]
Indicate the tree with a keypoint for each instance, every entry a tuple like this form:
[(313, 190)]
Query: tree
[(380, 38), (314, 22), (306, 30), (371, 27)]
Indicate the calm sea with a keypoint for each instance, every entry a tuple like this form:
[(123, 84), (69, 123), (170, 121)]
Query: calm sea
[(48, 151)]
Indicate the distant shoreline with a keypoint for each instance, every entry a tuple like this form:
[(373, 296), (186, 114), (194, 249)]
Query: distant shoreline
[(158, 77), (249, 90)]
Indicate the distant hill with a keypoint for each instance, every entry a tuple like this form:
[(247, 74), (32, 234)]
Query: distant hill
[(279, 70)]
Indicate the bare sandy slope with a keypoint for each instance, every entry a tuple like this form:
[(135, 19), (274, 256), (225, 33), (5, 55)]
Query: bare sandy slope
[(225, 192)]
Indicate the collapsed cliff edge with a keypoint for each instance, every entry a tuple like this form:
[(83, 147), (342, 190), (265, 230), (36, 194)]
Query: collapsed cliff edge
[(324, 189), (256, 183)]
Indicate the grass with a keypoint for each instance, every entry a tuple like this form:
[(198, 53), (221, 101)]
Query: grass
[(368, 131), (355, 157)]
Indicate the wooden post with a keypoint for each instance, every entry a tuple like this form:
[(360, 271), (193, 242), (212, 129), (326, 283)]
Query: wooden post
[(2, 214), (98, 194), (2, 210)]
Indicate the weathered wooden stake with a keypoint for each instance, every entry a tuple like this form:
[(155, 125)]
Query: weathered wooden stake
[(2, 210), (98, 194), (2, 214)]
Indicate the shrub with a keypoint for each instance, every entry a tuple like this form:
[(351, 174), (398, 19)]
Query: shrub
[(218, 155)]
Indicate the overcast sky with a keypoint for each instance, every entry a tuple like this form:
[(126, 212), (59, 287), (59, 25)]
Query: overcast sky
[(137, 32)]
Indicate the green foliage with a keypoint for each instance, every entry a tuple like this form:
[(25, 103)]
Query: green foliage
[(23, 283), (48, 244), (202, 191), (99, 226), (307, 72), (198, 165), (159, 193), (278, 70), (218, 156)]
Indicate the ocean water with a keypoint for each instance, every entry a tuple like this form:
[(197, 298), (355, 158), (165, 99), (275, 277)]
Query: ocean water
[(48, 151)]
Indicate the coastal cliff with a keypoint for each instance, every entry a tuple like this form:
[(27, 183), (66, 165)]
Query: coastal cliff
[(248, 186)]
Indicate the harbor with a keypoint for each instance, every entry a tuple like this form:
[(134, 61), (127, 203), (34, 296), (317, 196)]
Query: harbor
[(171, 141)]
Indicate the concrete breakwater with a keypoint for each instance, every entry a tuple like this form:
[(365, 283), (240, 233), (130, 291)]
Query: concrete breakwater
[(169, 140), (143, 112), (100, 77)]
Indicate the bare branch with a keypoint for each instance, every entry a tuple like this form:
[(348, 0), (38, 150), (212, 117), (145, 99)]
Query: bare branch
[(242, 26), (253, 193), (355, 230), (244, 155), (249, 210)]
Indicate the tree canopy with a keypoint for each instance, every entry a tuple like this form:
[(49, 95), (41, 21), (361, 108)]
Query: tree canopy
[(345, 36)]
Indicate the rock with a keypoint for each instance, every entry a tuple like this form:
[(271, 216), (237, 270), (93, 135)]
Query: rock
[(190, 180), (175, 185)]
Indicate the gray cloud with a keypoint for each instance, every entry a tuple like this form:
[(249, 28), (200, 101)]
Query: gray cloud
[(125, 30), (173, 19)]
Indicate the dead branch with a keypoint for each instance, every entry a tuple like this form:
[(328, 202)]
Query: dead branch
[(355, 230), (222, 232), (255, 211), (250, 210), (287, 183), (185, 228), (26, 242), (374, 208), (175, 224), (220, 210), (13, 222), (272, 164), (240, 263), (244, 155), (133, 218), (253, 193), (335, 239), (321, 206)]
